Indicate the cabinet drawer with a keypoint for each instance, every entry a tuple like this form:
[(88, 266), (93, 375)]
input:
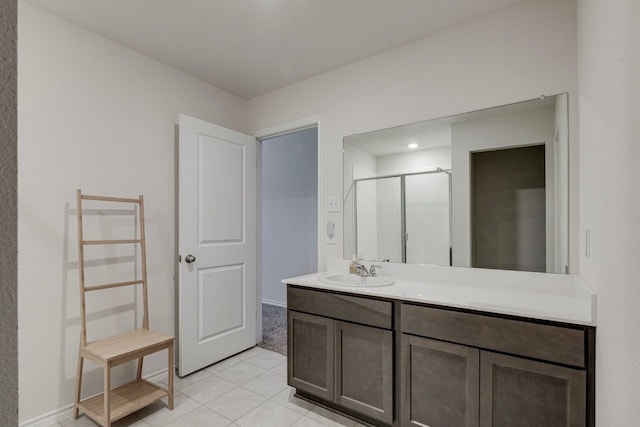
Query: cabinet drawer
[(545, 342), (343, 307)]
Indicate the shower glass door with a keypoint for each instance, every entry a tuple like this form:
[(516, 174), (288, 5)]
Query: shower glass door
[(404, 218)]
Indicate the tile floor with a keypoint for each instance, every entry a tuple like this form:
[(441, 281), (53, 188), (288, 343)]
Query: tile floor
[(246, 390)]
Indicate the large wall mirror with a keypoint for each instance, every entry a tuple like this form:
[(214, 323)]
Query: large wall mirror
[(485, 189)]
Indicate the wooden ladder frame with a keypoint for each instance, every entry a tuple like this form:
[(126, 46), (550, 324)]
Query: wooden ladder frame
[(114, 404)]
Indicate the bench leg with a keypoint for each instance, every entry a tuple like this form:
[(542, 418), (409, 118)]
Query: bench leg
[(170, 373), (107, 395), (76, 411)]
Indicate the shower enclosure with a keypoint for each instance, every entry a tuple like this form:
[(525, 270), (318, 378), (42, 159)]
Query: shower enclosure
[(404, 218)]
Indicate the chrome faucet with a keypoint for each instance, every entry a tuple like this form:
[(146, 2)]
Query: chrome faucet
[(372, 270), (362, 271)]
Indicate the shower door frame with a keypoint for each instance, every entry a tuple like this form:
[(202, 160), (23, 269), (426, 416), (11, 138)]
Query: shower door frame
[(403, 219)]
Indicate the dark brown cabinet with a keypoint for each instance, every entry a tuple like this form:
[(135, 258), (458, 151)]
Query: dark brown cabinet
[(452, 374), (364, 370), (310, 351), (527, 393), (451, 385), (399, 363), (346, 364), (440, 383)]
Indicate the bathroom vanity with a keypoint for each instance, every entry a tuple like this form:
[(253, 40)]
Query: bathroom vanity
[(438, 354)]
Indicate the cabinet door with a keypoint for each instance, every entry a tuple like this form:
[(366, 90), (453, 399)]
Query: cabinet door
[(439, 383), (526, 393), (364, 370), (310, 348)]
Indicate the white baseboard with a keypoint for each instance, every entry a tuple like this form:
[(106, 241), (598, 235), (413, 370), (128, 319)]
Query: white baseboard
[(50, 418), (276, 303)]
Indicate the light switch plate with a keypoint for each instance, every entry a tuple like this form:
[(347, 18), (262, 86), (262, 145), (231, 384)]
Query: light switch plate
[(333, 204)]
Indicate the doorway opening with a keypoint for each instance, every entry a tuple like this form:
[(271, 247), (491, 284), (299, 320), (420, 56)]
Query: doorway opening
[(508, 209), (288, 224)]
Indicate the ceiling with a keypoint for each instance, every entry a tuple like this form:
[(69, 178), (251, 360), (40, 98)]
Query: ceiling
[(251, 47)]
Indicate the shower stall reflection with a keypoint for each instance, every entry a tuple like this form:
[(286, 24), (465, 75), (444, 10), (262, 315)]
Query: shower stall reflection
[(404, 218)]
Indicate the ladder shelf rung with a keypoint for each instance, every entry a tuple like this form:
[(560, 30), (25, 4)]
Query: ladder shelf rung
[(110, 242), (109, 199), (112, 285)]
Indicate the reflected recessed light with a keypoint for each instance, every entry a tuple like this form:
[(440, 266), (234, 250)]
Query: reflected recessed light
[(413, 145)]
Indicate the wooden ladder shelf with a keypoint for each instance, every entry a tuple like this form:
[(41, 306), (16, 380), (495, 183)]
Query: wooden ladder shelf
[(117, 403)]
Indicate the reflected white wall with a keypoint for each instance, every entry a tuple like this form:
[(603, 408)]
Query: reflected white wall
[(427, 218), (356, 164), (389, 220), (561, 153), (415, 161), (367, 220), (289, 211)]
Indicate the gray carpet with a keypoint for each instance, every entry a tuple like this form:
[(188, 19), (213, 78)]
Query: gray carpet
[(274, 328)]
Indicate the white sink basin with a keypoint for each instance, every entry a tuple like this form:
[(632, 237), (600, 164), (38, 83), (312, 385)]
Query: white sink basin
[(356, 281)]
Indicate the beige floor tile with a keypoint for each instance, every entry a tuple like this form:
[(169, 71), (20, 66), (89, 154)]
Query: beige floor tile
[(222, 365), (263, 400), (241, 372), (201, 417), (287, 399), (84, 421), (269, 414), (180, 383), (308, 422), (157, 414), (280, 369), (236, 403), (251, 352), (329, 418), (267, 359), (267, 384), (208, 389)]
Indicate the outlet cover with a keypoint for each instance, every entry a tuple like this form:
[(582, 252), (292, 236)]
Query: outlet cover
[(333, 204)]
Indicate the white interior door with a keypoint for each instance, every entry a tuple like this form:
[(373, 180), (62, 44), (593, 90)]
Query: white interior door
[(217, 243)]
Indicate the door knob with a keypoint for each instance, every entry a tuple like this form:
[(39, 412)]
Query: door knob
[(189, 259)]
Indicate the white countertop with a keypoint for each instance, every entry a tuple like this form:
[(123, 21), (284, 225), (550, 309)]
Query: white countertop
[(561, 298)]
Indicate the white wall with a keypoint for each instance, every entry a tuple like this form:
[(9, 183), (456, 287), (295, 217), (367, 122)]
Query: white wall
[(289, 211), (358, 164), (416, 161), (97, 116), (609, 105), (516, 54)]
